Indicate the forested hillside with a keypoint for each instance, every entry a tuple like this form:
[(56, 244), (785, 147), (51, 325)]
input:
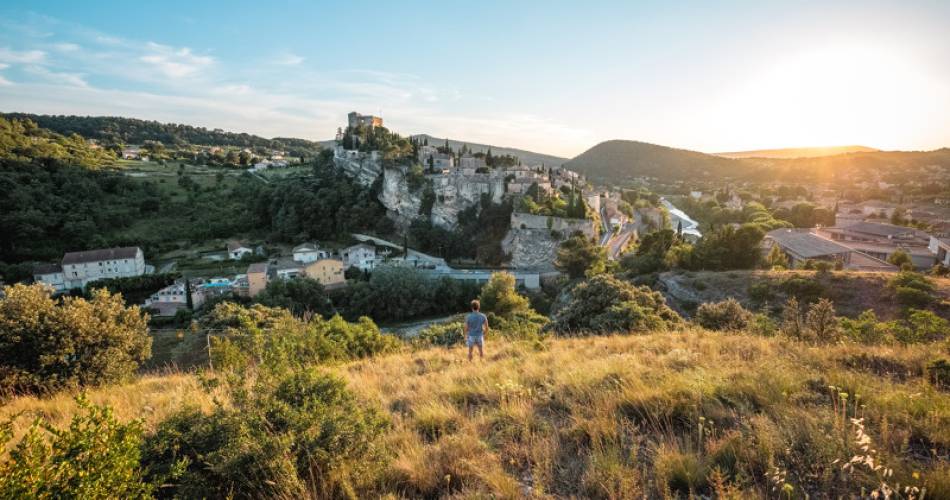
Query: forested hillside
[(118, 130), (59, 194), (616, 161)]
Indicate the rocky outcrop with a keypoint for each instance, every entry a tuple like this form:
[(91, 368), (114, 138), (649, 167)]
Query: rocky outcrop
[(532, 240), (533, 249), (402, 204)]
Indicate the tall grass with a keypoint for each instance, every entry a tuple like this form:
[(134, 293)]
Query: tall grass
[(661, 415)]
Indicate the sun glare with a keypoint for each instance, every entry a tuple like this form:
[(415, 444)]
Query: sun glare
[(847, 94)]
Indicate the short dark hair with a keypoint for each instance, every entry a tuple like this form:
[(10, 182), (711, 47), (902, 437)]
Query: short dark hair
[(476, 305)]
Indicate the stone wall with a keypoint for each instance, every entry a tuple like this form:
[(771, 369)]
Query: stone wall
[(560, 224)]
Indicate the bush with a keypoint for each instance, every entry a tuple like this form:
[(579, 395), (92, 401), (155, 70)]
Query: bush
[(726, 315), (302, 295), (441, 334), (912, 297), (46, 345), (273, 337), (818, 325), (804, 290), (300, 436), (96, 457), (912, 289), (604, 305), (500, 297)]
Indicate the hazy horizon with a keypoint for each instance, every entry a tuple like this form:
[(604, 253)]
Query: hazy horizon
[(556, 79)]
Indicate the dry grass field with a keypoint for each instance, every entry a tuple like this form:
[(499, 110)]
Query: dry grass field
[(658, 415)]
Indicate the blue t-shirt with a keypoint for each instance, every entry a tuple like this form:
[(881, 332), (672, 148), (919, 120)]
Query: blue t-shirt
[(476, 322)]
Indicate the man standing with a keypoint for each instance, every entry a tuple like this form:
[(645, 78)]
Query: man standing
[(476, 326)]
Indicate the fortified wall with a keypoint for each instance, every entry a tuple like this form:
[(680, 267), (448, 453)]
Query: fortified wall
[(532, 240)]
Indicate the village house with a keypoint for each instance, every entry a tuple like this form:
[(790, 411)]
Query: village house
[(802, 245), (172, 298), (940, 248), (362, 256), (287, 268), (329, 272), (309, 252), (471, 164), (877, 208), (257, 278), (77, 269), (882, 240), (50, 275), (237, 250)]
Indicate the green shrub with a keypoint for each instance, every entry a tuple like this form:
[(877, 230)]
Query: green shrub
[(303, 435), (804, 290), (47, 345), (605, 305), (726, 315), (273, 337), (912, 289), (441, 334), (96, 457), (912, 297), (761, 292)]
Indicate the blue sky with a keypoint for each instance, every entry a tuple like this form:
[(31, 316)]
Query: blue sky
[(555, 77)]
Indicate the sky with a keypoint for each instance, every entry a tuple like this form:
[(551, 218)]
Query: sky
[(549, 76)]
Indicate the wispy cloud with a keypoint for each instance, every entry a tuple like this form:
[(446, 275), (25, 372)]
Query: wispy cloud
[(175, 63), (153, 80), (289, 59), (8, 55), (66, 47), (58, 77)]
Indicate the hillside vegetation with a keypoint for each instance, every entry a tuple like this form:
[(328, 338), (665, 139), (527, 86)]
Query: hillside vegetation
[(530, 158), (797, 152), (617, 417), (619, 160), (852, 292), (118, 130)]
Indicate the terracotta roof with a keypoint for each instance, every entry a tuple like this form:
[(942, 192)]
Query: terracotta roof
[(100, 254), (47, 269)]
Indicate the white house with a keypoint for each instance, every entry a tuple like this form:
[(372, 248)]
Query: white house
[(940, 247), (80, 268), (237, 250), (309, 252), (361, 255), (50, 275), (170, 299)]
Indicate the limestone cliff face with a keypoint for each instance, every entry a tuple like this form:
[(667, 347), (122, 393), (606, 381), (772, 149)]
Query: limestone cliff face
[(401, 203), (454, 192)]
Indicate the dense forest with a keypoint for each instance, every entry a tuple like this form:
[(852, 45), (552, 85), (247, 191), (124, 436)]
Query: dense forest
[(117, 130)]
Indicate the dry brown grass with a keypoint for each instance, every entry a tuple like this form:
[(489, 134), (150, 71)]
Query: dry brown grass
[(648, 415), (151, 398), (659, 415)]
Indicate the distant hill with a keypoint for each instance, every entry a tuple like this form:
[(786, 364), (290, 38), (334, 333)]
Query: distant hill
[(619, 159), (798, 152), (119, 130), (527, 157)]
